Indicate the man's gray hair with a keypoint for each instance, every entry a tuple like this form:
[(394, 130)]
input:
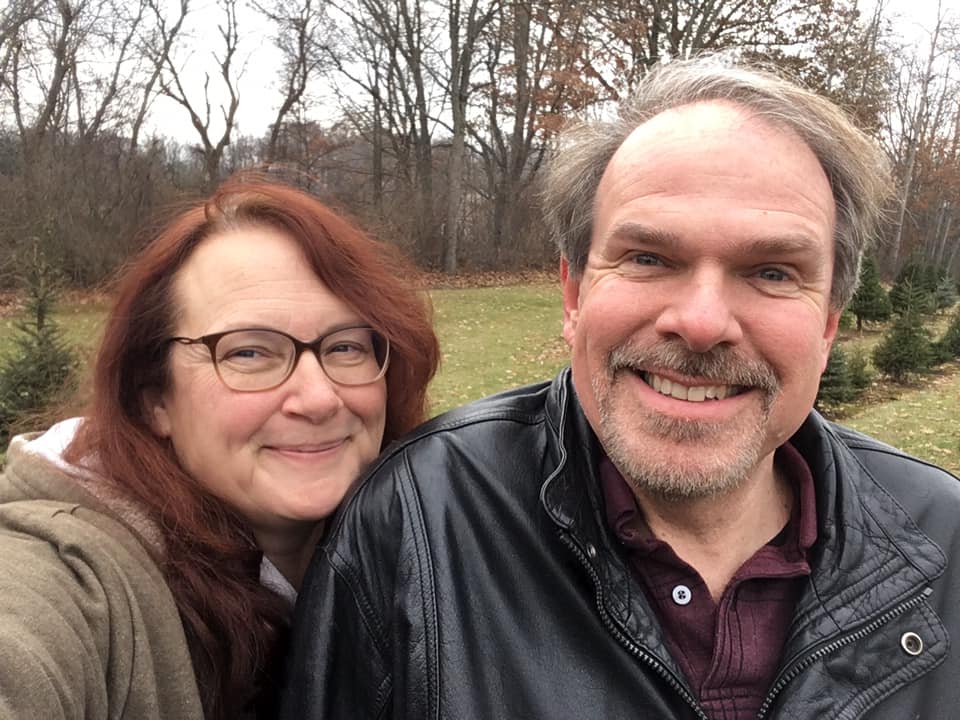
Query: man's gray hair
[(856, 168)]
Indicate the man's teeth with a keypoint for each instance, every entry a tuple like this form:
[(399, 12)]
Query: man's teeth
[(697, 393)]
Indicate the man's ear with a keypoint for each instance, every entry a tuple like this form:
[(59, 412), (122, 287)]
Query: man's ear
[(830, 334), (155, 411), (571, 301)]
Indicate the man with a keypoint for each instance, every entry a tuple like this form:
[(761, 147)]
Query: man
[(667, 530)]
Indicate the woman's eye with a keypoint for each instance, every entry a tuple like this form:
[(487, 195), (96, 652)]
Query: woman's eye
[(244, 353), (346, 348)]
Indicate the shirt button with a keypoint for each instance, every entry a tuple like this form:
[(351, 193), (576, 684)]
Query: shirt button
[(682, 595)]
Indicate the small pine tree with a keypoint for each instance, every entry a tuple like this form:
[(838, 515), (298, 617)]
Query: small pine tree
[(835, 385), (906, 347), (871, 301), (911, 287), (951, 337), (860, 374), (931, 278), (847, 320), (946, 293), (40, 366)]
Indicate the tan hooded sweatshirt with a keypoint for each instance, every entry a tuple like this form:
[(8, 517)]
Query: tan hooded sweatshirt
[(88, 627)]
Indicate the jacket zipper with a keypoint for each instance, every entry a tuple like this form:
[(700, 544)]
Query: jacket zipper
[(634, 649), (835, 645)]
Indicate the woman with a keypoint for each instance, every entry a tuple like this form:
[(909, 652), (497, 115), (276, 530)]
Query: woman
[(260, 353)]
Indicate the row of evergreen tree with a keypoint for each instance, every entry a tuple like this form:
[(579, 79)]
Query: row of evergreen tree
[(907, 346), (920, 287)]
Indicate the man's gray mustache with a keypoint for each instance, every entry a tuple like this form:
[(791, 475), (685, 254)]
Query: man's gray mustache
[(720, 365)]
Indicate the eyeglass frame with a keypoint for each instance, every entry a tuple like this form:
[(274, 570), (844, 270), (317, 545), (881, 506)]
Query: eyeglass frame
[(210, 342)]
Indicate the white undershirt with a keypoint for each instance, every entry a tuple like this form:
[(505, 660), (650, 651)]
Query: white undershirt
[(272, 578)]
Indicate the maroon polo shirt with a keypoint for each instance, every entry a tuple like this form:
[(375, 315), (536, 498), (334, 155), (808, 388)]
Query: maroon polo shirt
[(729, 651)]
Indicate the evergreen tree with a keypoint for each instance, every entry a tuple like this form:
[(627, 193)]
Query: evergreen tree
[(946, 293), (906, 347), (860, 374), (951, 338), (931, 277), (835, 385), (871, 301), (912, 286), (39, 367)]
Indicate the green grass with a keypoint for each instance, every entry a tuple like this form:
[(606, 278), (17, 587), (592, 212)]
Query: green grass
[(500, 337), (922, 422), (495, 338)]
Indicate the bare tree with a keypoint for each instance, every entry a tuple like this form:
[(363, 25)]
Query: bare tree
[(465, 24), (915, 103), (76, 85), (298, 37), (535, 75), (211, 147), (388, 54)]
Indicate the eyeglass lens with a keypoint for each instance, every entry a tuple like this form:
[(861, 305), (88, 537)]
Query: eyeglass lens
[(261, 359)]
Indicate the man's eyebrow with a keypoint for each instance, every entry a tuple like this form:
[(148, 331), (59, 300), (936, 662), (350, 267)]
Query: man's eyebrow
[(640, 233), (785, 244)]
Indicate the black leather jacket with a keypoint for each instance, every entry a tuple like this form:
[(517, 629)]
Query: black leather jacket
[(472, 575)]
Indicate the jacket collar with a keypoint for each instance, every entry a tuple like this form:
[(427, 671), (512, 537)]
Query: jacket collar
[(867, 546)]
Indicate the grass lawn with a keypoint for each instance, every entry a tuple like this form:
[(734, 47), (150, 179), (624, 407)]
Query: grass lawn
[(495, 338), (922, 421)]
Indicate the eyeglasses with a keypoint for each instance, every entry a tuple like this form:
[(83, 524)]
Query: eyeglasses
[(252, 360)]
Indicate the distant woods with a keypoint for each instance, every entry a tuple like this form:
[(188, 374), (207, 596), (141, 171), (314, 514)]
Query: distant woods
[(435, 115)]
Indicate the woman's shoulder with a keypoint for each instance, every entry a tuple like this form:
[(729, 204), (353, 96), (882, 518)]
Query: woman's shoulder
[(49, 518), (86, 615), (36, 470)]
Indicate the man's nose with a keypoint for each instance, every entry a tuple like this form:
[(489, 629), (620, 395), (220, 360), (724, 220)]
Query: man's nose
[(701, 311)]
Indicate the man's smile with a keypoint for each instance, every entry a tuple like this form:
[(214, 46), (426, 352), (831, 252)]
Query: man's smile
[(690, 393)]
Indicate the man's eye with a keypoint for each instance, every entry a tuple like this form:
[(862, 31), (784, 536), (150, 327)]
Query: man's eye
[(647, 259), (773, 275)]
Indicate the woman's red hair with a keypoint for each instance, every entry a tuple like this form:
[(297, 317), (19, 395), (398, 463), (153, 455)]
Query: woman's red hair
[(233, 624)]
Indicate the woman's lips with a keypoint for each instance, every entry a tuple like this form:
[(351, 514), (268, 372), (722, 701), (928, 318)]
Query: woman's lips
[(307, 449)]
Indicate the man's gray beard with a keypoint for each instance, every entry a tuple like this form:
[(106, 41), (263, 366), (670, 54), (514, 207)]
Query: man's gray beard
[(662, 476)]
